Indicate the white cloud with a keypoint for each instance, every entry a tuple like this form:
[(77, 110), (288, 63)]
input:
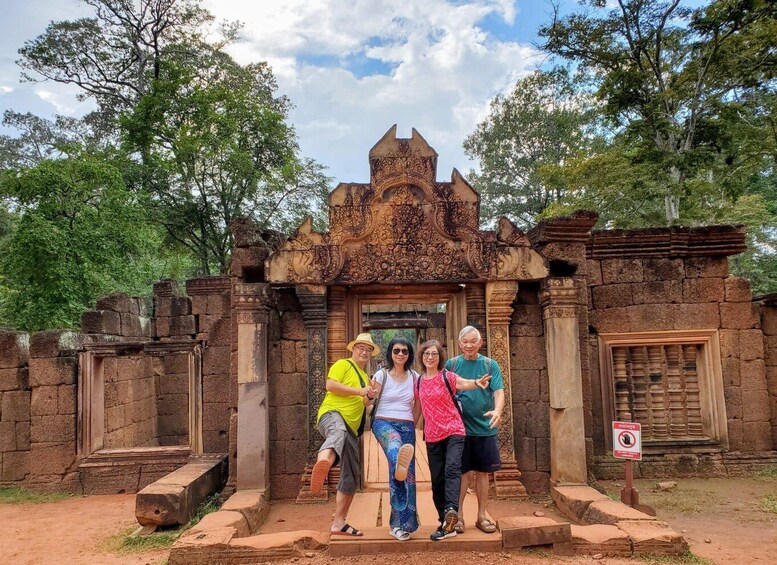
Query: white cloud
[(443, 65)]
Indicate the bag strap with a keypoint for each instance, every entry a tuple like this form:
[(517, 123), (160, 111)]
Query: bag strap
[(450, 391), (380, 392), (358, 374)]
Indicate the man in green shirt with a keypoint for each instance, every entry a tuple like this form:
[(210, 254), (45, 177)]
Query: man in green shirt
[(482, 411), (340, 421)]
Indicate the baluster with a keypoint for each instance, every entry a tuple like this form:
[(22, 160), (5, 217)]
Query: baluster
[(640, 388), (657, 408), (678, 424), (621, 382), (692, 400)]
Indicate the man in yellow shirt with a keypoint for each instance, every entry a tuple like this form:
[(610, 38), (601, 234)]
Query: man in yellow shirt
[(340, 421)]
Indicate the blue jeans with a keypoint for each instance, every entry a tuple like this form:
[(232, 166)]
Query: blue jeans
[(391, 435)]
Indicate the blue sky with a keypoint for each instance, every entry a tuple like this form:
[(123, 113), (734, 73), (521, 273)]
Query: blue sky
[(352, 68)]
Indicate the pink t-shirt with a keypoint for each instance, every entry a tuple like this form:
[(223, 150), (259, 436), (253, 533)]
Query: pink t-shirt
[(441, 418)]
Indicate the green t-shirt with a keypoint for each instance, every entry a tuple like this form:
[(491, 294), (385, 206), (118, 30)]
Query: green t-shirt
[(477, 402), (350, 408)]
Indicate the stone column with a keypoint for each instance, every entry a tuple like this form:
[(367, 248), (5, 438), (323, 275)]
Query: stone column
[(499, 308), (559, 298), (312, 298), (253, 410)]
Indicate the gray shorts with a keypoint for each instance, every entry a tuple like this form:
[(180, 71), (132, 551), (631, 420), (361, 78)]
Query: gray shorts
[(337, 436)]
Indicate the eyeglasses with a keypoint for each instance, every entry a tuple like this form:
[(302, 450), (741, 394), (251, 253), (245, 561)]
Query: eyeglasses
[(431, 354), (399, 351), (364, 348)]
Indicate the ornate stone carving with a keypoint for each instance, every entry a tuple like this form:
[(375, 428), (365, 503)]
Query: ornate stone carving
[(559, 298), (404, 226), (250, 302)]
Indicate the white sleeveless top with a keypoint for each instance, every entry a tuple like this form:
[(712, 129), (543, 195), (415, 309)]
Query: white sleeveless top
[(396, 399)]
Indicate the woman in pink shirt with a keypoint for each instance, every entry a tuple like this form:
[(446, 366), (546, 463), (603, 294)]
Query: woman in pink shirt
[(443, 432)]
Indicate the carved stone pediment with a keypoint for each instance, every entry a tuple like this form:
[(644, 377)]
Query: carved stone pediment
[(404, 226)]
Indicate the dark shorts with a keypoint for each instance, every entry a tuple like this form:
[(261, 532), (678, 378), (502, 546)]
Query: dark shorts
[(481, 453)]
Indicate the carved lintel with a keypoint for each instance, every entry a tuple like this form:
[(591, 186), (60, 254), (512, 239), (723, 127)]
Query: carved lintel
[(559, 298), (499, 299), (507, 481)]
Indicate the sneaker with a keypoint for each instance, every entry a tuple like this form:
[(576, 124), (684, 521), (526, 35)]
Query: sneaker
[(450, 521), (399, 533), (440, 534), (404, 457)]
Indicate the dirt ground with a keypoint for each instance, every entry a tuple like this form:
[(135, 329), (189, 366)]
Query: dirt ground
[(724, 520)]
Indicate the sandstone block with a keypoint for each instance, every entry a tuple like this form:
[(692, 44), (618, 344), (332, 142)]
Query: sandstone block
[(216, 389), (301, 357), (288, 423), (526, 531), (695, 316), (769, 321), (223, 519), (653, 538), (53, 342), (751, 345), (607, 541), (219, 304), (183, 325), (166, 287), (612, 296), (16, 466), (52, 458), (611, 512), (252, 504), (593, 273), (621, 271), (753, 375), (176, 364), (52, 371), (101, 322), (15, 406), (14, 349), (293, 326), (755, 406), (199, 304), (526, 454), (739, 316), (130, 325), (248, 262), (170, 306), (662, 269), (288, 389), (117, 302), (657, 292), (288, 353), (215, 417), (574, 501), (23, 435), (647, 317), (611, 320), (531, 351), (9, 379), (733, 398), (738, 289), (7, 436), (729, 343), (215, 360), (696, 267), (736, 439), (220, 332), (53, 428), (703, 290)]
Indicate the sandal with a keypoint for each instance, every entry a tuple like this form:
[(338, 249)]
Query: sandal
[(459, 527), (486, 525), (347, 530), (400, 534), (318, 475), (404, 457)]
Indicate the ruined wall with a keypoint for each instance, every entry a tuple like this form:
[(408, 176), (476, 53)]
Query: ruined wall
[(171, 387), (642, 294), (287, 374), (130, 403), (14, 407), (769, 325), (531, 420)]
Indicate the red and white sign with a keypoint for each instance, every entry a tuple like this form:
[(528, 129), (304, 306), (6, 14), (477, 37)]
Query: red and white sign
[(627, 440)]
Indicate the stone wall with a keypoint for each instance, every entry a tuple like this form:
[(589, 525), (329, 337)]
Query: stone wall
[(130, 403), (531, 402), (119, 314), (171, 386), (14, 407), (287, 375), (769, 325)]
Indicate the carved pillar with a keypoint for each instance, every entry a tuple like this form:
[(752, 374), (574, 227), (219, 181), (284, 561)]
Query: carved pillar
[(314, 312), (693, 402), (253, 425), (476, 310), (559, 298), (499, 299)]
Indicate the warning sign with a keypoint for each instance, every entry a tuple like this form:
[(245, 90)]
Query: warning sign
[(627, 440)]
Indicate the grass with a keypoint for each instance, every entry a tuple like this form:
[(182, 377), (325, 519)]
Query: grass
[(124, 542), (683, 500), (687, 558), (768, 504), (767, 473), (21, 495)]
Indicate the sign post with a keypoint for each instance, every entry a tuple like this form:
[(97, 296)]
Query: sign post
[(627, 444)]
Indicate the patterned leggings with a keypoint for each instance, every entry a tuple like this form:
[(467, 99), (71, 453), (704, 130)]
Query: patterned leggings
[(391, 435)]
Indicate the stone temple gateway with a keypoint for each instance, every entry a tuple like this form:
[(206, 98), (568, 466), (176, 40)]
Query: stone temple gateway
[(587, 325)]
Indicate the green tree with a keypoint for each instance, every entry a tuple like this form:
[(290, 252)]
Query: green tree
[(80, 234), (543, 122)]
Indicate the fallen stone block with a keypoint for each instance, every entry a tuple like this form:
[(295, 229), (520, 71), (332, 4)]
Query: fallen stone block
[(174, 498), (201, 547), (223, 519), (527, 531), (607, 541), (573, 501), (252, 504), (653, 538), (610, 512)]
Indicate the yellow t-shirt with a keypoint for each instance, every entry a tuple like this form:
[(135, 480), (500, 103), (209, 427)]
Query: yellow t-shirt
[(350, 408)]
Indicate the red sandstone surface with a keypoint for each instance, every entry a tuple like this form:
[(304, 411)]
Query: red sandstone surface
[(724, 511)]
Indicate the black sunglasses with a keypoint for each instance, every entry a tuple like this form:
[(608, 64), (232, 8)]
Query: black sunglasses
[(400, 351)]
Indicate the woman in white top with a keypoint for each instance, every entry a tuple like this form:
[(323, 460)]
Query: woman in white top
[(394, 429)]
